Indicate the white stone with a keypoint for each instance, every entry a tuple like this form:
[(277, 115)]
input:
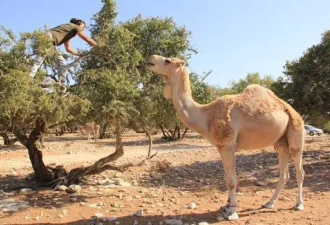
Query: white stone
[(203, 223), (26, 190), (98, 215), (192, 205), (74, 188), (173, 222), (62, 188), (139, 212), (111, 218), (135, 222)]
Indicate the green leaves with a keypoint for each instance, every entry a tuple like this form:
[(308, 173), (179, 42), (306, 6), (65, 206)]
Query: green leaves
[(306, 84)]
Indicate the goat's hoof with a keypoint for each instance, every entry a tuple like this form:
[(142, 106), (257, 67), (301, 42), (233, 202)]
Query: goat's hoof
[(230, 216), (268, 205), (299, 207)]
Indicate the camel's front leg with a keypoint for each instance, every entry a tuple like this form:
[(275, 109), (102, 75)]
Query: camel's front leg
[(229, 161)]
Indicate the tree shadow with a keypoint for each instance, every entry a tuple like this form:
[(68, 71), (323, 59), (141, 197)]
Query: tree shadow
[(190, 218), (257, 171), (13, 147), (39, 197)]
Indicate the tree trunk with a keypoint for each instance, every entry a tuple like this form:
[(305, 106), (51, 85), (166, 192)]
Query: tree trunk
[(7, 140), (57, 176), (42, 172), (184, 133), (150, 140), (179, 134), (104, 129)]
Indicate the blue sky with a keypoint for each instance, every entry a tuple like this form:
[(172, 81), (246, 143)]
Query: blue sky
[(232, 37)]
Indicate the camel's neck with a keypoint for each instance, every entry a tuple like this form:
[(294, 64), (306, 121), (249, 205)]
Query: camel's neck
[(190, 112)]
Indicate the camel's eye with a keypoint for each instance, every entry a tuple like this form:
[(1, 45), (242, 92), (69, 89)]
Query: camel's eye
[(167, 61)]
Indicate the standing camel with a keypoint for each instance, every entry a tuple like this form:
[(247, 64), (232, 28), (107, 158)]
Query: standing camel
[(91, 128), (254, 119)]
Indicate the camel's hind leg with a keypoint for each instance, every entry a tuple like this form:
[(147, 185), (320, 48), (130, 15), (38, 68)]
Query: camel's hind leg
[(282, 149), (296, 139)]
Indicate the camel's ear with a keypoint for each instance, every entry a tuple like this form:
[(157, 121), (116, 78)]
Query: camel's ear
[(167, 91), (181, 63)]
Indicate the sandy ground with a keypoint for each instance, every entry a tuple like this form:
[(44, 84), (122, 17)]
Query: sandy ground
[(188, 171)]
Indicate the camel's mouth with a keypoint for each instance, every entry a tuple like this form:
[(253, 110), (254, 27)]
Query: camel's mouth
[(150, 63)]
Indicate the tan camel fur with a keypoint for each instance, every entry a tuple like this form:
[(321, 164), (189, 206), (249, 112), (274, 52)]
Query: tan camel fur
[(91, 128), (254, 119)]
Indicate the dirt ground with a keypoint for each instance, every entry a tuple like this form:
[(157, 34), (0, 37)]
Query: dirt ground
[(166, 187)]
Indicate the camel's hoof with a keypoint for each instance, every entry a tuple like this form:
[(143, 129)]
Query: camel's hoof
[(268, 205), (230, 216), (299, 207)]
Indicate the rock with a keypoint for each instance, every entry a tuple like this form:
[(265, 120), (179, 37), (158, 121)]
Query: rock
[(26, 190), (117, 223), (74, 188), (220, 218), (135, 222), (111, 218), (128, 199), (260, 183), (156, 175), (124, 184), (139, 212), (98, 215), (118, 175), (192, 205), (62, 188), (12, 205), (149, 223), (173, 222), (115, 205), (203, 223)]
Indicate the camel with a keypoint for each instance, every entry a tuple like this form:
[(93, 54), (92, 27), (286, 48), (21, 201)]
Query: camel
[(91, 128), (254, 119)]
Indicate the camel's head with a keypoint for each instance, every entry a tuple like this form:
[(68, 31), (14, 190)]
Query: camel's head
[(166, 67), (171, 69)]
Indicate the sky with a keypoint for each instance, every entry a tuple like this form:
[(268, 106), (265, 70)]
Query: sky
[(233, 37)]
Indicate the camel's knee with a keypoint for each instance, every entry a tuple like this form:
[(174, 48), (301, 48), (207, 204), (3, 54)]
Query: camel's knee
[(285, 177), (300, 174), (231, 182)]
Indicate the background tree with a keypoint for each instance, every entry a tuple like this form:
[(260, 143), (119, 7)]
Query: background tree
[(306, 84)]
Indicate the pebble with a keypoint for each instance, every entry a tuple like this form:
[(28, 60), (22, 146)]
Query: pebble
[(74, 188), (26, 190), (98, 215), (139, 212), (173, 222), (62, 188), (192, 205), (111, 218)]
